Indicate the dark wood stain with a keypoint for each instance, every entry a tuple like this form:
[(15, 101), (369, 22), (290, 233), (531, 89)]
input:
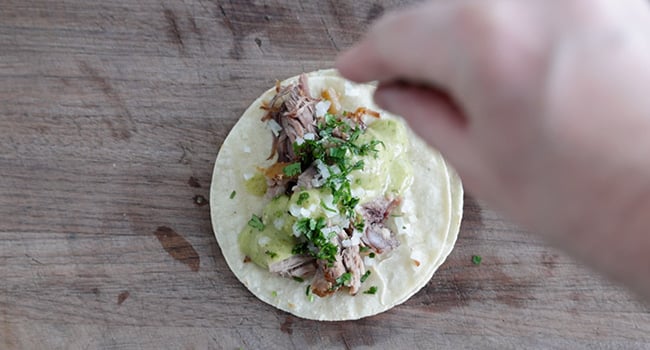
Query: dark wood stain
[(549, 261), (445, 293), (287, 325), (120, 130), (376, 11), (509, 291), (195, 29), (173, 31), (178, 247), (122, 297), (194, 182), (7, 335), (352, 336), (246, 17)]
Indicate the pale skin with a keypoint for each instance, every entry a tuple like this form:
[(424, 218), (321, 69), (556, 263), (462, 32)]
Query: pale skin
[(543, 108)]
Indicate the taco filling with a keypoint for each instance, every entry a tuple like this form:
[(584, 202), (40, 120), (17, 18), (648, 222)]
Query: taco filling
[(334, 191)]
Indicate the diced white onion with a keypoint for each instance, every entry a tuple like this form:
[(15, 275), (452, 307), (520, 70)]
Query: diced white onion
[(248, 176), (264, 240), (331, 211), (407, 206), (346, 243), (402, 226), (328, 230), (274, 126), (278, 223), (305, 212), (294, 210), (356, 237), (295, 230), (317, 181), (335, 169), (351, 90), (322, 169), (322, 107), (310, 136), (368, 261), (299, 141), (357, 191)]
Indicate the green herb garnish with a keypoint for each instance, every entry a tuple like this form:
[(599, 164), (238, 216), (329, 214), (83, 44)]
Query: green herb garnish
[(274, 294), (313, 241), (232, 194), (335, 152), (298, 279), (363, 249), (365, 276), (476, 259), (371, 255), (322, 204), (302, 197), (271, 254), (292, 169), (371, 290), (308, 293), (256, 222), (344, 279)]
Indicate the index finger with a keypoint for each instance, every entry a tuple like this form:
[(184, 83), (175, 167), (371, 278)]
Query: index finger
[(414, 44)]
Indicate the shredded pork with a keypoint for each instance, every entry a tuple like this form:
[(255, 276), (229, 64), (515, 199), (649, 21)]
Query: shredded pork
[(376, 234), (292, 113)]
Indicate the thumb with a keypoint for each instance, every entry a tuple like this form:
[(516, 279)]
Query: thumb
[(432, 115), (437, 120)]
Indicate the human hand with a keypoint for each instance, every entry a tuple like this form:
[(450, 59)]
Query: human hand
[(539, 105)]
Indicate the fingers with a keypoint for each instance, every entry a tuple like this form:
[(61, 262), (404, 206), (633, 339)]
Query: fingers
[(412, 45), (435, 118)]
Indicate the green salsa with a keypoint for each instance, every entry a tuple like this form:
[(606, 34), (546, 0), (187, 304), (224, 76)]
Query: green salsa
[(256, 185), (385, 173)]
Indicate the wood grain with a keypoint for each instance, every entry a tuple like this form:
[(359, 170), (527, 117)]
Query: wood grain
[(111, 116)]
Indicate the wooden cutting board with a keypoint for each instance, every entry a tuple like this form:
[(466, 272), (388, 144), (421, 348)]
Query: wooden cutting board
[(111, 116)]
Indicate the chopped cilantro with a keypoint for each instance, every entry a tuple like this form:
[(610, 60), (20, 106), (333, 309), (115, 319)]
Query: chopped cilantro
[(371, 290), (308, 290), (298, 279), (338, 140), (292, 169), (302, 197), (232, 194), (359, 225), (365, 276), (256, 222), (476, 259), (363, 249), (322, 204), (337, 145), (313, 241), (344, 279), (274, 294), (271, 254), (372, 255)]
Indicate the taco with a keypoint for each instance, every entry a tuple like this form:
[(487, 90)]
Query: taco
[(327, 207)]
